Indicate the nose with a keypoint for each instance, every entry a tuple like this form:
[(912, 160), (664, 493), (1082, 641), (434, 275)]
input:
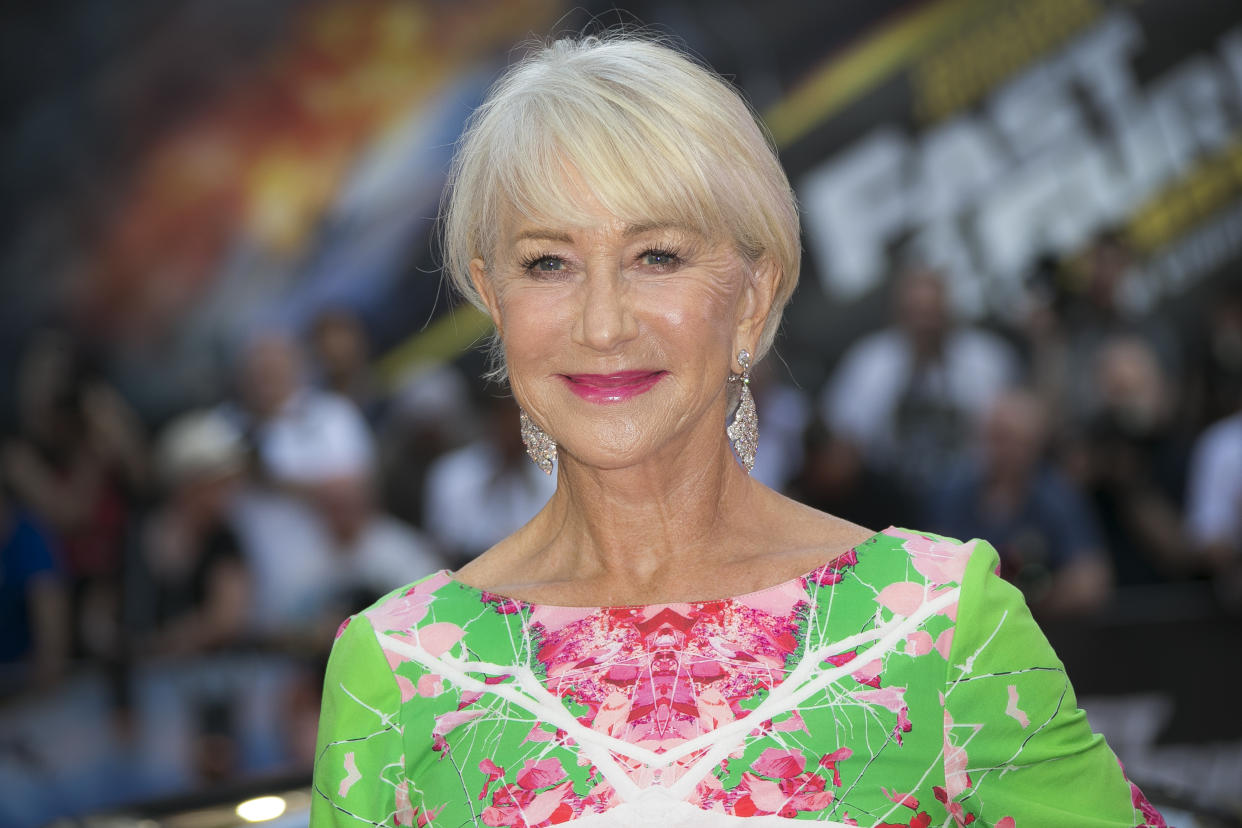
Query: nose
[(606, 319)]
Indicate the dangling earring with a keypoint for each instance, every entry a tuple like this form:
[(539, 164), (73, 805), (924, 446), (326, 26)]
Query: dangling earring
[(540, 447), (744, 432)]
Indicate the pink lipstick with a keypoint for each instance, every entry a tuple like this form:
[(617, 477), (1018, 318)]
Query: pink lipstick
[(612, 388)]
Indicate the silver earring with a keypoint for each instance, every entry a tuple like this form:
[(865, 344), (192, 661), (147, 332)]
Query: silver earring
[(744, 432), (540, 447)]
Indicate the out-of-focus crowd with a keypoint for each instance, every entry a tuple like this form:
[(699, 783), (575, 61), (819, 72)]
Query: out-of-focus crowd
[(168, 595), (1089, 437)]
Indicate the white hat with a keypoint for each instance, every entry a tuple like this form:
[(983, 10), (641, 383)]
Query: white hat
[(199, 444)]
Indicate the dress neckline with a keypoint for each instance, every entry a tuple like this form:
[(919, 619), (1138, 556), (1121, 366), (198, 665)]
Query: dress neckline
[(740, 598)]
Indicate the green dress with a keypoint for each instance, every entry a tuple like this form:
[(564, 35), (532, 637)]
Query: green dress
[(903, 683)]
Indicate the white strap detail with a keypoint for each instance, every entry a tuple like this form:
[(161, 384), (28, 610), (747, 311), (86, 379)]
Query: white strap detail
[(803, 682)]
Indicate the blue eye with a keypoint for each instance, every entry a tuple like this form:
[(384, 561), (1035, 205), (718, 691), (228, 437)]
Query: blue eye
[(544, 264), (659, 258)]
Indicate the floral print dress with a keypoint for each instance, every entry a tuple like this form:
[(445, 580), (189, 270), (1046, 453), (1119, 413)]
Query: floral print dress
[(902, 684)]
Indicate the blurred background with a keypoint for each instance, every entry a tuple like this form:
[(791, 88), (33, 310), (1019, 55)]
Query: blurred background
[(237, 403)]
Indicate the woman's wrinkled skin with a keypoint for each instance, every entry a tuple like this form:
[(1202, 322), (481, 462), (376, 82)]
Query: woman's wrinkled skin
[(650, 499)]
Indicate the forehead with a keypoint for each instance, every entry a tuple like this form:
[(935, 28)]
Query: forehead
[(633, 199), (516, 229)]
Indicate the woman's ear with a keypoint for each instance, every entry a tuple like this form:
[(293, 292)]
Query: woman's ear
[(758, 294), (486, 290)]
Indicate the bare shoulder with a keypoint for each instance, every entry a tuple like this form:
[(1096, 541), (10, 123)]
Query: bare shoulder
[(504, 568), (802, 538), (489, 570)]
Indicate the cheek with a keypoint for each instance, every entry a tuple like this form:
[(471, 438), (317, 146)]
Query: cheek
[(700, 315), (533, 323)]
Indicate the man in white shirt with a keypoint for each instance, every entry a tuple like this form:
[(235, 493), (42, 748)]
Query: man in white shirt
[(302, 434), (1214, 497), (313, 535), (484, 491), (910, 395)]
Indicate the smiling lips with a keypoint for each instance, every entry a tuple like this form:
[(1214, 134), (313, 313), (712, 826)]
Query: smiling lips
[(612, 388)]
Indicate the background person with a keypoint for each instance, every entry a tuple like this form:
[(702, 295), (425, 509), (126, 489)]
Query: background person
[(1214, 505), (482, 492), (195, 588), (1049, 543), (1132, 460), (77, 465), (34, 605), (911, 394)]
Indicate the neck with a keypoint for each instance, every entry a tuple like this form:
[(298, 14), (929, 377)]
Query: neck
[(632, 525)]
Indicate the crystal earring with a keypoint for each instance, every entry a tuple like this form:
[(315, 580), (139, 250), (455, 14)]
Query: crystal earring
[(744, 432), (540, 447)]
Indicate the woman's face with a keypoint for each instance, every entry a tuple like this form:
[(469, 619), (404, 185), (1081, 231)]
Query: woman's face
[(620, 339)]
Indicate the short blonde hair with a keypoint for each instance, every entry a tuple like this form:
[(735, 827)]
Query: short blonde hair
[(651, 134)]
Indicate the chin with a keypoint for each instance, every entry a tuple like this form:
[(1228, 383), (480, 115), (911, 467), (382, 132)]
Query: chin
[(600, 457), (617, 440), (610, 449)]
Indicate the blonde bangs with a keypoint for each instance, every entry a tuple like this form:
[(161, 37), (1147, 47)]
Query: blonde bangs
[(571, 156)]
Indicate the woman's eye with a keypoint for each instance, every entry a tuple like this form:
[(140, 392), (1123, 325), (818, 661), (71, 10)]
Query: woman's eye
[(546, 264), (659, 258)]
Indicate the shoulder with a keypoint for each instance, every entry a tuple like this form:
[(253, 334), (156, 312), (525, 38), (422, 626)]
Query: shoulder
[(29, 545), (378, 639), (329, 404), (981, 356), (882, 345), (796, 538), (467, 463), (401, 610), (980, 341), (406, 607), (938, 560), (989, 613), (994, 626), (1223, 436), (1214, 463)]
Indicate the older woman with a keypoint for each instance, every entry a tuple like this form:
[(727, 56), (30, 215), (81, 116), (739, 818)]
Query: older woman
[(668, 642)]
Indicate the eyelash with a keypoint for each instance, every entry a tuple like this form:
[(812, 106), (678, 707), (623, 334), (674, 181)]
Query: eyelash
[(674, 258), (672, 255), (528, 263)]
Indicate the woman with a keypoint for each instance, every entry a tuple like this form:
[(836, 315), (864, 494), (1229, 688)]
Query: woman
[(668, 642)]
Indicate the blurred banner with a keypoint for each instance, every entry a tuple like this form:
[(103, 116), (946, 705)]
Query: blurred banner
[(246, 169), (252, 167), (983, 136)]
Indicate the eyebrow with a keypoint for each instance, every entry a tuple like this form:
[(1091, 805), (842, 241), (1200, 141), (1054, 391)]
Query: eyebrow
[(544, 235), (646, 227)]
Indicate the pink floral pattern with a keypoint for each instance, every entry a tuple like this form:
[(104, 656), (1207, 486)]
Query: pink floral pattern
[(851, 695)]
